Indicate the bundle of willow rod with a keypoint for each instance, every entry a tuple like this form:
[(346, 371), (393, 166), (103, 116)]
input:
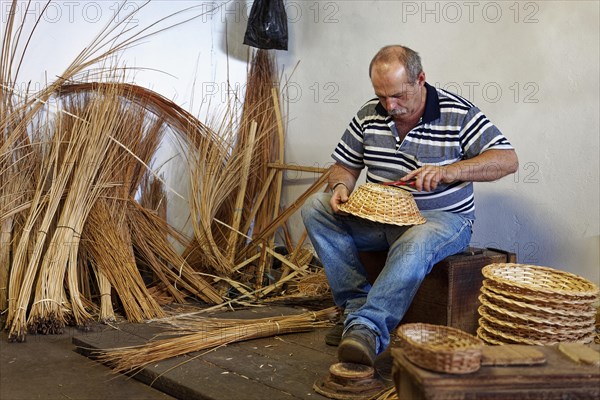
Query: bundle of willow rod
[(108, 246), (98, 117), (149, 233), (68, 181), (211, 333), (33, 214), (226, 211), (214, 176), (262, 106), (140, 134), (19, 169), (104, 121), (42, 214)]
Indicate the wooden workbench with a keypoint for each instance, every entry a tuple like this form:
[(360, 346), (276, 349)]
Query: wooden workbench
[(559, 378)]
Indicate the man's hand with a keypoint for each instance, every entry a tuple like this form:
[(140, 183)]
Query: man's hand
[(428, 177), (339, 196), (486, 167), (341, 181)]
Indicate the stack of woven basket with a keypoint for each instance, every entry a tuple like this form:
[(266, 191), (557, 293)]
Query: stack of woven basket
[(535, 305)]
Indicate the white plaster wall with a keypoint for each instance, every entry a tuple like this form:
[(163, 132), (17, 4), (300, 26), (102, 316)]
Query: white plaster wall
[(532, 66)]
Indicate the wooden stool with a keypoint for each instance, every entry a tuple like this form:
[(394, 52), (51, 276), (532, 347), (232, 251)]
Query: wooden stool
[(449, 294)]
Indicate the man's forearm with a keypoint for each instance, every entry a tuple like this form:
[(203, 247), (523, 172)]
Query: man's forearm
[(344, 176), (489, 166)]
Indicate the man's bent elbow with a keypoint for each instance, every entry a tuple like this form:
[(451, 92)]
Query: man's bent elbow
[(512, 165)]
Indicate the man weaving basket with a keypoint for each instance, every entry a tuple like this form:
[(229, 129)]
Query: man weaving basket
[(413, 132)]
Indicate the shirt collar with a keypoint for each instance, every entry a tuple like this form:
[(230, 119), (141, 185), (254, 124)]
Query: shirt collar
[(432, 106)]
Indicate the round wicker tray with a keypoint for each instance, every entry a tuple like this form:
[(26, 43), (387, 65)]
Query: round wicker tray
[(527, 305), (515, 335), (528, 328), (538, 281), (532, 317), (553, 301), (385, 204), (490, 338), (440, 348)]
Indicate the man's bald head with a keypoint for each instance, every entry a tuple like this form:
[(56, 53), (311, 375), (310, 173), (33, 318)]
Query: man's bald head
[(393, 54)]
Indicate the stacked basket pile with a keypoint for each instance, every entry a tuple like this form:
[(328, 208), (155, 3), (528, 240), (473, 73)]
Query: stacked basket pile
[(535, 305)]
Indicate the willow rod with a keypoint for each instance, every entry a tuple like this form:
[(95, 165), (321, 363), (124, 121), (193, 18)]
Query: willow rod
[(276, 223), (242, 191), (293, 167)]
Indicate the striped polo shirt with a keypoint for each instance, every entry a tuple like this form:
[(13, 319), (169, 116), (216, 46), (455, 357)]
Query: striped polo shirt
[(451, 129)]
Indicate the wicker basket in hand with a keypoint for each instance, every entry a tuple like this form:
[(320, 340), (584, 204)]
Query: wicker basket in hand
[(385, 204), (440, 348)]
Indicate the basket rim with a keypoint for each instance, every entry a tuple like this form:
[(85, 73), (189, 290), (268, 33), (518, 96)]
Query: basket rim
[(588, 288)]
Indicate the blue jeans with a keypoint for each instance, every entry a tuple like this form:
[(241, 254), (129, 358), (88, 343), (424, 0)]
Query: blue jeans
[(412, 252)]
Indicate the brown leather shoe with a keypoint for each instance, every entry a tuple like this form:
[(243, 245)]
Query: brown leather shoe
[(358, 346)]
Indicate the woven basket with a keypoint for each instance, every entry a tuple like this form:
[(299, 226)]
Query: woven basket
[(546, 309), (385, 204), (533, 329), (490, 338), (440, 348), (522, 279), (538, 319), (517, 335)]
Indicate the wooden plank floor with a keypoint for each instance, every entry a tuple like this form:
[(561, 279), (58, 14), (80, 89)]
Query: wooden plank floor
[(280, 367)]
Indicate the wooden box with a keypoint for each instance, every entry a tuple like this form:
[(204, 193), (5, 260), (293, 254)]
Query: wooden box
[(449, 294), (559, 378)]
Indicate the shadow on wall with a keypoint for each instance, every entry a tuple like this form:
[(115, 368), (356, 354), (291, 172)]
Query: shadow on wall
[(235, 15), (536, 232), (508, 222)]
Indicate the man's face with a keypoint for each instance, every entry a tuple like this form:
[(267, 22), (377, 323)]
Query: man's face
[(401, 98)]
